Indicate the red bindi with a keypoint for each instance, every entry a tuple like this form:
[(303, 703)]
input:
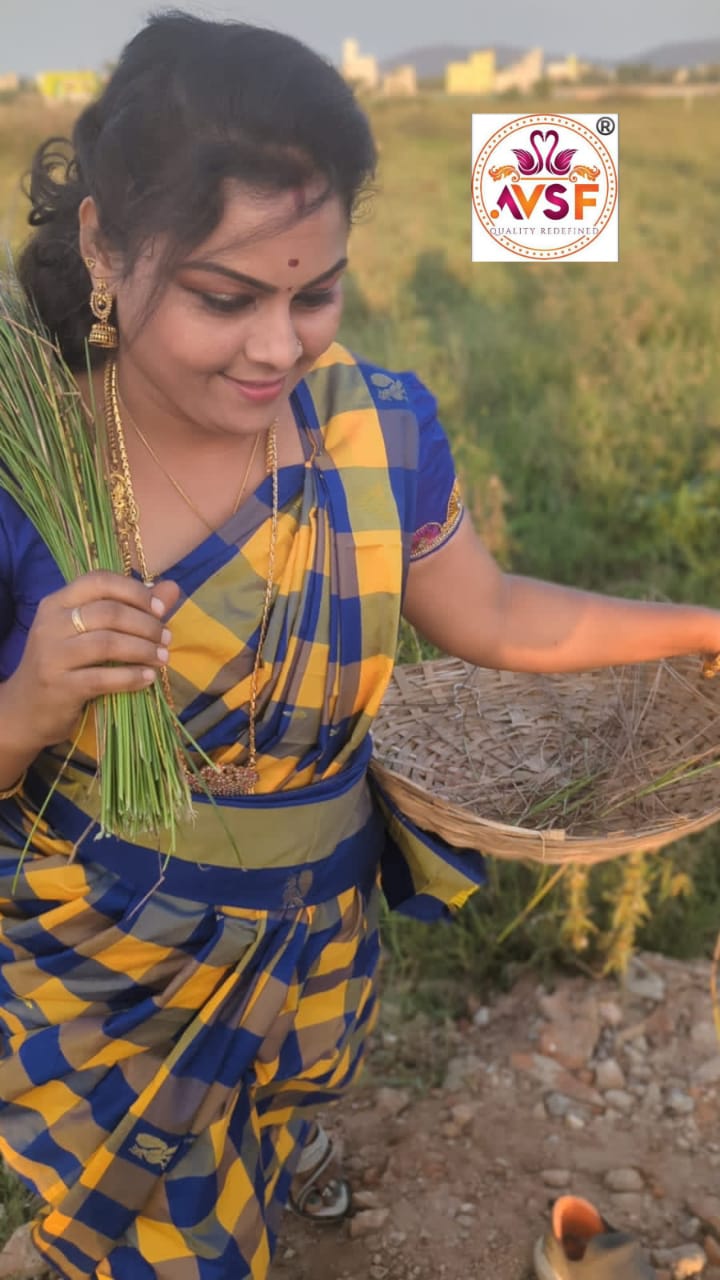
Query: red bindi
[(293, 262)]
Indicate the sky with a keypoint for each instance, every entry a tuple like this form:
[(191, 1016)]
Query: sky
[(72, 34)]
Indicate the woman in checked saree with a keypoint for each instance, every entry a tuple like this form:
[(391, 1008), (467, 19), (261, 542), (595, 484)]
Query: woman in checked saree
[(172, 1016)]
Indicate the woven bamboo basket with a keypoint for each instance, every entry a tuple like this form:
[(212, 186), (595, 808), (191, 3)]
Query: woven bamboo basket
[(554, 769)]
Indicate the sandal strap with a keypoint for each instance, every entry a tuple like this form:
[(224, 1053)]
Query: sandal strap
[(317, 1156), (313, 1178), (314, 1152)]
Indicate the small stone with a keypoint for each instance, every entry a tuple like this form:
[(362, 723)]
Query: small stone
[(481, 1017), (679, 1103), (708, 1072), (624, 1180), (642, 981), (571, 1043), (19, 1256), (653, 1096), (574, 1121), (703, 1036), (556, 1178), (707, 1209), (379, 1272), (609, 1075), (368, 1222), (556, 1104), (467, 1071), (629, 1203), (289, 1254), (684, 1261), (620, 1100), (391, 1102), (365, 1200), (638, 1047), (690, 1228), (465, 1221), (463, 1114), (641, 1073), (610, 1012), (396, 1239), (468, 1207)]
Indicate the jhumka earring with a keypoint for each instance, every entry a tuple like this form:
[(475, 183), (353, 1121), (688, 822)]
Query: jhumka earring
[(102, 334)]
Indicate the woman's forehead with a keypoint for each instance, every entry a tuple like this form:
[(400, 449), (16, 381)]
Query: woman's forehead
[(269, 229)]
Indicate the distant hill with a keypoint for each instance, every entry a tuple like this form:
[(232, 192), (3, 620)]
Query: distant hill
[(690, 53), (430, 60)]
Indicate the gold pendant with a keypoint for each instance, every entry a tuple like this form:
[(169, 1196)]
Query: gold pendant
[(228, 780)]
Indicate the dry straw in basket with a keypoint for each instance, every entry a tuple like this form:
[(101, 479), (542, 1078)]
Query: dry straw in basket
[(555, 769)]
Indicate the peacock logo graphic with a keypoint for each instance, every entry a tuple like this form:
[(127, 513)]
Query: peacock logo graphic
[(544, 188)]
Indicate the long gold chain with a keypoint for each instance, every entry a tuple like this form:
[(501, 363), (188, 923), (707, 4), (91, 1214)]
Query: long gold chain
[(176, 483), (229, 779)]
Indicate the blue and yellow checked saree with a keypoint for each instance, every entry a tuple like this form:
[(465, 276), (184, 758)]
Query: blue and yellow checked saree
[(167, 1022)]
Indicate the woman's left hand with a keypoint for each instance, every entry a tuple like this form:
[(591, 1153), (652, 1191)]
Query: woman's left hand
[(460, 600)]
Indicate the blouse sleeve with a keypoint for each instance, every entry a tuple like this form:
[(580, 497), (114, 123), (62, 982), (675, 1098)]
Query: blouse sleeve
[(439, 508), (27, 573)]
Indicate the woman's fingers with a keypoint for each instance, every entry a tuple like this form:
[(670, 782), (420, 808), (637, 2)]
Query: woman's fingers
[(114, 616), (93, 682), (156, 599), (95, 647)]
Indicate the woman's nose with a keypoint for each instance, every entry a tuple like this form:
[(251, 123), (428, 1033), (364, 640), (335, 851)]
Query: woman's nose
[(273, 341)]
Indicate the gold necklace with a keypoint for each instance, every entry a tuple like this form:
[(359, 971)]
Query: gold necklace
[(176, 484), (227, 779)]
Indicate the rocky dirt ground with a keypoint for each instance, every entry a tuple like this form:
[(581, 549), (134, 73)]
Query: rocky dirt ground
[(606, 1089)]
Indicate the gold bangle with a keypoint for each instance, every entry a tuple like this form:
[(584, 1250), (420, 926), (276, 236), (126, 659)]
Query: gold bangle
[(18, 786)]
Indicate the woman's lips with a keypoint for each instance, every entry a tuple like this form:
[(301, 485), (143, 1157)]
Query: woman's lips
[(257, 391)]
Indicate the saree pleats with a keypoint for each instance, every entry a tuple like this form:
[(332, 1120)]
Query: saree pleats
[(158, 1056)]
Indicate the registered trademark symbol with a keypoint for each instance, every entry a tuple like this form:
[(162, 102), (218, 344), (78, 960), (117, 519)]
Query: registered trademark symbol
[(605, 125)]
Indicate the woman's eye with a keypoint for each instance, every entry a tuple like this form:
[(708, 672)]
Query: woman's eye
[(317, 299), (226, 302)]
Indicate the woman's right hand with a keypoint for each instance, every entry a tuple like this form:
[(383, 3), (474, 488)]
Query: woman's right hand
[(64, 666)]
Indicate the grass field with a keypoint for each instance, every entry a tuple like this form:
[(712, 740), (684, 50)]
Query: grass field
[(583, 403)]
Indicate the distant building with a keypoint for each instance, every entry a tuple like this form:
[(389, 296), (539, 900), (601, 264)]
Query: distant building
[(566, 71), (400, 82), (9, 82), (478, 74), (475, 75), (521, 75), (359, 69), (68, 86)]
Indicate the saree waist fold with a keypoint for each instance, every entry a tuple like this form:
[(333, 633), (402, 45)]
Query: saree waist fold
[(270, 852)]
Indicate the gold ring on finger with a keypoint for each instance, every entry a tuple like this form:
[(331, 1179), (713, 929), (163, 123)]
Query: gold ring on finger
[(77, 621)]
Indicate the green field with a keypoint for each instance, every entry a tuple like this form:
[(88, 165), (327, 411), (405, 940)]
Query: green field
[(583, 402)]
